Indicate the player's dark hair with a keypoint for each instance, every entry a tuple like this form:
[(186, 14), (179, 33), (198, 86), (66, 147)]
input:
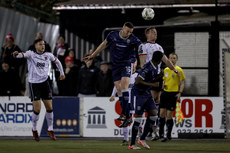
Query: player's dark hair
[(128, 24), (38, 40), (148, 29), (157, 56)]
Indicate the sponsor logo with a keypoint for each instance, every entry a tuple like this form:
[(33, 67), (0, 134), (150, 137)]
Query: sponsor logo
[(40, 65), (65, 122), (128, 69), (96, 118), (16, 112)]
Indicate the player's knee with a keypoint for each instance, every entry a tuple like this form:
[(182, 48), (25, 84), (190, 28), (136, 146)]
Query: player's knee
[(169, 115), (162, 113)]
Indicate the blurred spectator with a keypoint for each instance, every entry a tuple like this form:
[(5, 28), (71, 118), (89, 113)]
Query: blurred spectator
[(8, 48), (86, 85), (10, 84), (76, 61), (70, 83), (61, 50), (40, 36), (104, 82)]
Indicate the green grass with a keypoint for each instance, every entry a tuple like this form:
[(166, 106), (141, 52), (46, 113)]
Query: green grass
[(109, 146)]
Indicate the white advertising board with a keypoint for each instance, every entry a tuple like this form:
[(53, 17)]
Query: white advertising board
[(202, 115), (16, 116)]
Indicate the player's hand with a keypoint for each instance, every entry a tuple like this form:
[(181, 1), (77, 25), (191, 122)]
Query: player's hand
[(15, 53), (62, 77), (178, 96), (177, 72), (165, 87), (155, 84), (87, 58), (112, 98), (157, 101)]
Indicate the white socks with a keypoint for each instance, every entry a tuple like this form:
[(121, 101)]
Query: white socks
[(50, 119), (35, 118), (126, 133)]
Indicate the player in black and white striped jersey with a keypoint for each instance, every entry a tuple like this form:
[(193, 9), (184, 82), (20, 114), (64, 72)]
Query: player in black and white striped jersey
[(38, 67)]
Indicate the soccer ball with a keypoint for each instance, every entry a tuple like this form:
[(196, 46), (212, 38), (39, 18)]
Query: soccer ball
[(148, 13)]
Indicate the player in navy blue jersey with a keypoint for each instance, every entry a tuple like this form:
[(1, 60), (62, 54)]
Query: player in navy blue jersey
[(123, 45), (142, 99)]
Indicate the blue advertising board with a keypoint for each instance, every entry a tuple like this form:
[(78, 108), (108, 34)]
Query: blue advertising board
[(66, 117)]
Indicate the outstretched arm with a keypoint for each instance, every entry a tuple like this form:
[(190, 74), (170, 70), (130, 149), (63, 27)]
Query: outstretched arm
[(101, 47), (17, 54), (169, 64)]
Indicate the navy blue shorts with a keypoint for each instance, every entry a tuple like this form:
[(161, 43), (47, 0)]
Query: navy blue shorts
[(121, 71), (142, 102)]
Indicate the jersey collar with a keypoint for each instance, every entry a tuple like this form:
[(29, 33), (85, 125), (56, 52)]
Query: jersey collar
[(150, 42)]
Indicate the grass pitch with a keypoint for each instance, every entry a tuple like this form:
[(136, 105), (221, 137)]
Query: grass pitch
[(112, 146)]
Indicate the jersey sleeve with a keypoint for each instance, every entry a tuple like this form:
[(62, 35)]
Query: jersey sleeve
[(164, 73), (182, 77), (27, 54), (161, 49), (52, 57), (142, 50), (114, 91), (109, 37), (138, 42)]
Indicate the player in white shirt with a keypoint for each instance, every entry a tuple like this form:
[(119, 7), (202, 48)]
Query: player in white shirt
[(145, 55), (112, 98), (38, 67)]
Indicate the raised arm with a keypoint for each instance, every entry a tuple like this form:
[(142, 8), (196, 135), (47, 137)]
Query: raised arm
[(142, 55), (100, 48), (169, 64), (17, 54)]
